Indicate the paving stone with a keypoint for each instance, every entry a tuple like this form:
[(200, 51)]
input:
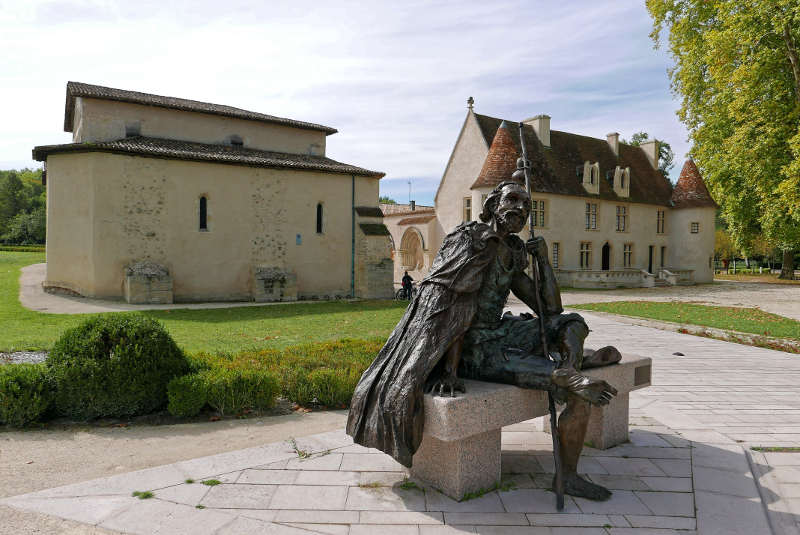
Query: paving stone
[(669, 484), (486, 519), (586, 464), (385, 499), (577, 531), (259, 514), (314, 497), (446, 530), (566, 519), (647, 438), (674, 467), (668, 503), (729, 515), (90, 510), (618, 521), (188, 494), (488, 503), (520, 481), (326, 477), (632, 467), (316, 517), (232, 496), (622, 502), (720, 456), (154, 516), (667, 522), (401, 517), (644, 452), (724, 482), (519, 464), (365, 462), (366, 529), (782, 459), (619, 482), (330, 461), (327, 529), (534, 501), (645, 531), (267, 477), (513, 530)]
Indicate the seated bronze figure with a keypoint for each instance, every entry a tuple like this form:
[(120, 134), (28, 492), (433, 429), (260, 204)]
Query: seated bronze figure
[(455, 328)]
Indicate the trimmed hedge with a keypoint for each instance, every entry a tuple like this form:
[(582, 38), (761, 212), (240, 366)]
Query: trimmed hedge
[(23, 248), (230, 391), (25, 393), (114, 366), (187, 395)]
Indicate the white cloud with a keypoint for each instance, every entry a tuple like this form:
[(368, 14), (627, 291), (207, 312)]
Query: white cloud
[(392, 77)]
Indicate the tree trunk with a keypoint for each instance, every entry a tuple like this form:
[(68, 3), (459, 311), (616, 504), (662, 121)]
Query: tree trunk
[(794, 61), (787, 270)]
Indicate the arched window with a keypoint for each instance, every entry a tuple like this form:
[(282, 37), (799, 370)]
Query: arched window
[(319, 218), (203, 213)]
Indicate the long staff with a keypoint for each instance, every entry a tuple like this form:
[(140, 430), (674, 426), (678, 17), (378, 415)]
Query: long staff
[(559, 476)]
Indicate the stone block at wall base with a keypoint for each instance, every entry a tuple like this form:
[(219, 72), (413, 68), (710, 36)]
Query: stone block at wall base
[(148, 289), (274, 284)]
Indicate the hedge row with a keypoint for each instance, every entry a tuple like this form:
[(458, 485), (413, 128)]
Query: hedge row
[(23, 248), (116, 365)]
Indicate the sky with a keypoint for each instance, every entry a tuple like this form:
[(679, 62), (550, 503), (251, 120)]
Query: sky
[(392, 77)]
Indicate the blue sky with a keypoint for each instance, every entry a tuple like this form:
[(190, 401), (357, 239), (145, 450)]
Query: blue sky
[(392, 77)]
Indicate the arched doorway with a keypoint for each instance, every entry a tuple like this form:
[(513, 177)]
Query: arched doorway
[(606, 257), (411, 250)]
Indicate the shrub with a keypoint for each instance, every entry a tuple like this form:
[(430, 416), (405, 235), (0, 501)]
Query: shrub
[(186, 395), (233, 391), (333, 388), (25, 393), (114, 365)]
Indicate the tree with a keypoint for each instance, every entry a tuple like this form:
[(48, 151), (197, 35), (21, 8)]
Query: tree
[(665, 155), (386, 200), (724, 249), (26, 228), (12, 199), (737, 73)]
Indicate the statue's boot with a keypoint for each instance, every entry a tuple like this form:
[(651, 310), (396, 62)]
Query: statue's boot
[(602, 357), (575, 485)]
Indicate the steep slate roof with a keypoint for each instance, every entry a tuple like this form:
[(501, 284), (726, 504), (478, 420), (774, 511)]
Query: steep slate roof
[(690, 190), (501, 161), (404, 209), (78, 89), (185, 150), (554, 167)]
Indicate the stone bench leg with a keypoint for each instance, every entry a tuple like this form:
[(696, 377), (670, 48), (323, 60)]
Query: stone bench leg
[(608, 426), (460, 466)]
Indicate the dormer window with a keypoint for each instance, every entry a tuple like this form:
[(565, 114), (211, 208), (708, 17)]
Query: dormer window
[(591, 177), (236, 141), (133, 129), (621, 181)]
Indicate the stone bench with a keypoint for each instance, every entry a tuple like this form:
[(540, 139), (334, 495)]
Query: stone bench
[(460, 450)]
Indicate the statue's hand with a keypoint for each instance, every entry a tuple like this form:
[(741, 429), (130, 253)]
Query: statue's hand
[(447, 383), (595, 391), (537, 247)]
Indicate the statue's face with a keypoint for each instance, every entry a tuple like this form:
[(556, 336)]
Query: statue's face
[(513, 209)]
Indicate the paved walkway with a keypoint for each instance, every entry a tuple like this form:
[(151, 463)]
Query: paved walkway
[(688, 468)]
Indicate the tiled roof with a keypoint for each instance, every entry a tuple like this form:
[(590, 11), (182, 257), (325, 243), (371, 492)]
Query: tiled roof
[(690, 190), (185, 150), (78, 89), (554, 168), (416, 220), (404, 209), (501, 162), (374, 229)]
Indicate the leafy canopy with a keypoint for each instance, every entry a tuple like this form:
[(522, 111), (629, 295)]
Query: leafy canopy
[(737, 74)]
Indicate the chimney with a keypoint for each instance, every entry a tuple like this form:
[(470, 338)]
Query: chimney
[(650, 149), (541, 125), (613, 141), (413, 205)]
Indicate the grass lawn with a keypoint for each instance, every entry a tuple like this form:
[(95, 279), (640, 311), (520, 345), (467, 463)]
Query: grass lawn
[(746, 320), (211, 330), (746, 277)]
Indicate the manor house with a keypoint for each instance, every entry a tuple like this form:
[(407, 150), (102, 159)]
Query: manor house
[(609, 216), (160, 198)]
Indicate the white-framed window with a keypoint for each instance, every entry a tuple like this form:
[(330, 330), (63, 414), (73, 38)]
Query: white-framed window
[(537, 206), (660, 222), (556, 254), (591, 216), (622, 218), (627, 255), (586, 255), (467, 216), (694, 227)]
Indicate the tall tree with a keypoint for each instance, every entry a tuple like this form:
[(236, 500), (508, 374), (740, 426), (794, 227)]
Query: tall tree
[(737, 73), (12, 199), (665, 155)]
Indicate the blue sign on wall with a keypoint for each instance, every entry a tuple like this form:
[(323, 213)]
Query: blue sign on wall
[(299, 240)]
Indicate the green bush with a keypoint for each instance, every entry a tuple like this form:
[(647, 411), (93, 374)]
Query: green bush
[(187, 395), (114, 365), (25, 393), (333, 388), (234, 391)]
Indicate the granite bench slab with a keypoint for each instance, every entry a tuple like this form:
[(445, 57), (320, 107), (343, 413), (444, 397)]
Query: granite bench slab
[(460, 450)]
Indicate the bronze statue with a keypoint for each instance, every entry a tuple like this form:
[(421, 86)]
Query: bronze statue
[(455, 329)]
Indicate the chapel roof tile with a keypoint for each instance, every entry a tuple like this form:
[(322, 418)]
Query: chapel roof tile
[(690, 191)]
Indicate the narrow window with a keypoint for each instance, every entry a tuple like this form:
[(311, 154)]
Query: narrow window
[(538, 213), (695, 227), (627, 255), (556, 251), (591, 216), (663, 255), (203, 213), (660, 222), (586, 255), (319, 218), (467, 215), (622, 218)]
